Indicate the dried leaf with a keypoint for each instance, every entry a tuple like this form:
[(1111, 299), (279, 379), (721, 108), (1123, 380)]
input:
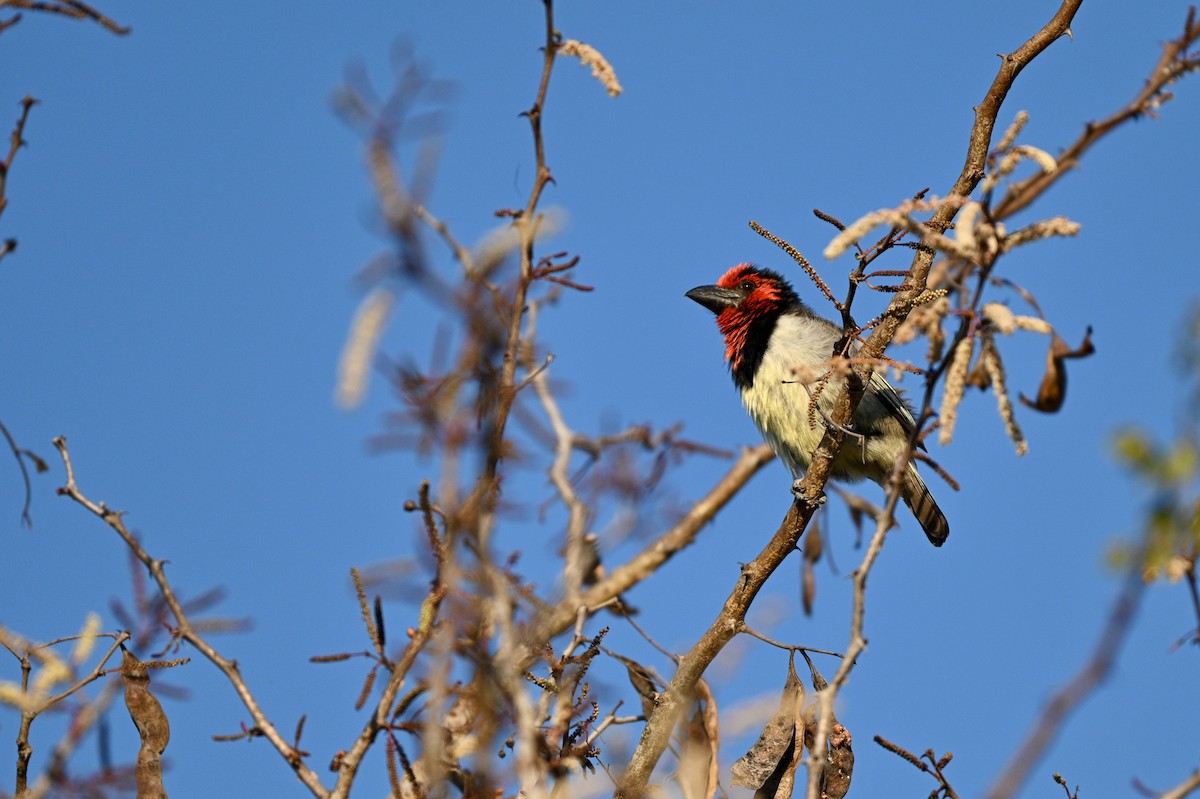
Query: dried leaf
[(642, 682), (979, 376), (39, 465), (813, 548), (774, 755), (814, 543), (808, 587), (1053, 390)]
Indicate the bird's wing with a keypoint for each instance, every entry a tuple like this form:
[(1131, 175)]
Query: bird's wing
[(890, 398)]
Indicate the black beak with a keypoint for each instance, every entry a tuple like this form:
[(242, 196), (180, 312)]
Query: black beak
[(715, 298)]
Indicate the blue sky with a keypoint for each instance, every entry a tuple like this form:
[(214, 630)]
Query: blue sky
[(191, 213)]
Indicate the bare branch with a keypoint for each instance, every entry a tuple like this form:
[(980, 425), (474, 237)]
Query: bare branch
[(1067, 698), (1174, 63), (16, 142), (1190, 785), (644, 564), (818, 473), (73, 9), (727, 624), (186, 631)]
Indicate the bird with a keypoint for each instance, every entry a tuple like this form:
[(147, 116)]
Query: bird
[(778, 349)]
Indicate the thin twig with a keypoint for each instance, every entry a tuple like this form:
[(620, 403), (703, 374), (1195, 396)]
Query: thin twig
[(19, 453), (379, 719), (573, 567), (74, 9), (461, 253), (16, 142), (560, 617), (748, 630), (506, 664), (969, 177), (672, 701), (185, 630), (1174, 62)]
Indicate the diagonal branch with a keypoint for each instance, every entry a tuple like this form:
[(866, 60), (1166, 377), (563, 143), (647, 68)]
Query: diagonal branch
[(658, 728), (186, 632), (526, 223), (724, 628), (560, 618), (1067, 698), (972, 173), (1174, 63), (1184, 788), (74, 9)]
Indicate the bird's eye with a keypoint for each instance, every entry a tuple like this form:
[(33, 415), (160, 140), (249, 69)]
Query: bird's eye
[(747, 285)]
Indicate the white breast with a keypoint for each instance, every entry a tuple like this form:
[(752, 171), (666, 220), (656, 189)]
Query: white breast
[(778, 401)]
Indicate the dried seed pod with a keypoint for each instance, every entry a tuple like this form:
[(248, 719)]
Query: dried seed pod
[(774, 756)]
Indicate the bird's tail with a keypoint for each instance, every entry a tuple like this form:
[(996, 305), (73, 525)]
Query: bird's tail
[(916, 495)]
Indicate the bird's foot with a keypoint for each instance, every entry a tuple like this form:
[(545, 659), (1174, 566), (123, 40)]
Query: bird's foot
[(801, 496)]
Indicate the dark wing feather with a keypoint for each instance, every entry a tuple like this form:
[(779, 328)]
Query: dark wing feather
[(895, 404)]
